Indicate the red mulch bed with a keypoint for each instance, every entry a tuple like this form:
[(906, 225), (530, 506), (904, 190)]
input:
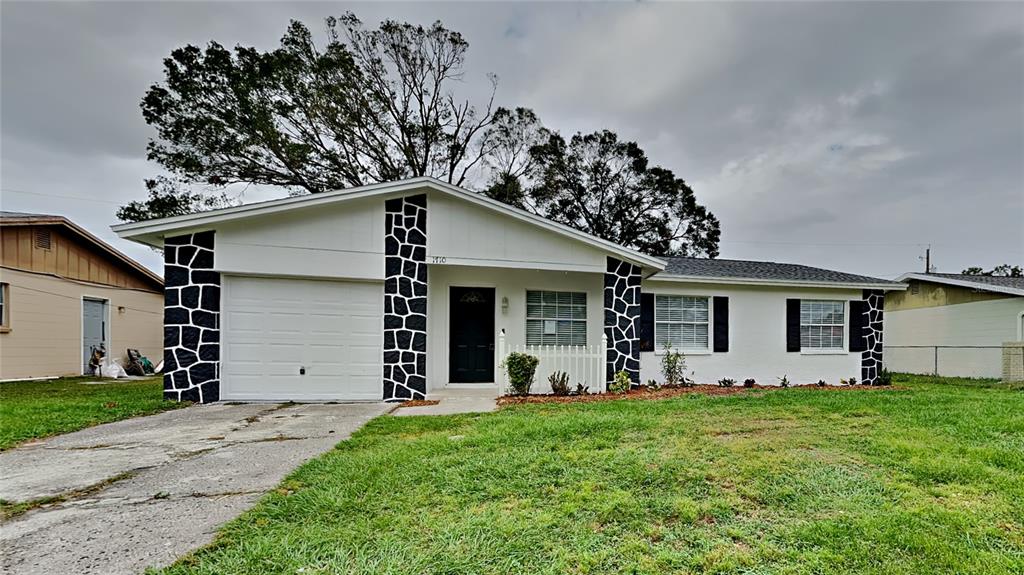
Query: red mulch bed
[(644, 393), (419, 402)]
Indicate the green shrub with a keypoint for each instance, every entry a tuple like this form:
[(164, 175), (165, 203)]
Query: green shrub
[(784, 381), (821, 383), (749, 382), (653, 385), (853, 381), (884, 378), (726, 382), (559, 381), (673, 367), (521, 368), (580, 390), (620, 383)]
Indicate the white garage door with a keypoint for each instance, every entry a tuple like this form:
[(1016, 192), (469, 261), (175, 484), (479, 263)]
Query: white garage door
[(273, 329)]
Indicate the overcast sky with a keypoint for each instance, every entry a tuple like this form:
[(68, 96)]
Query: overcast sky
[(845, 136)]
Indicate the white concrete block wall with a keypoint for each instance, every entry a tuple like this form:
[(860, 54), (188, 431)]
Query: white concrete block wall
[(984, 323), (757, 334)]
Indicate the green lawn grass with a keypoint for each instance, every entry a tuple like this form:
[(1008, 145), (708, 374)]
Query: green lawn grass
[(926, 478), (34, 409)]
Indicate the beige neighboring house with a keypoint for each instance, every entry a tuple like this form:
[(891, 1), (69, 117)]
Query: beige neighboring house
[(63, 291), (954, 324)]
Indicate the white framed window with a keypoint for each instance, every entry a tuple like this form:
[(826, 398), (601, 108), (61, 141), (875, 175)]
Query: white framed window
[(681, 322), (556, 318), (822, 324), (5, 304)]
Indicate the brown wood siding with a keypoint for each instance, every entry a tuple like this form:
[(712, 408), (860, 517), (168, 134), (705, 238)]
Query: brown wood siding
[(68, 257)]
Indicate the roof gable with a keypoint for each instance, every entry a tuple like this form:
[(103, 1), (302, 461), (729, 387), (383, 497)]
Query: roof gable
[(21, 220), (152, 232)]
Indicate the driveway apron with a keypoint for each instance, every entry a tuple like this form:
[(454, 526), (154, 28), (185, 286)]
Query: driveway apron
[(143, 492)]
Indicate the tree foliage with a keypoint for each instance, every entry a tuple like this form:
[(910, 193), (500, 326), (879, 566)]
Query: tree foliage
[(1005, 270), (368, 106), (168, 198), (377, 105), (606, 187)]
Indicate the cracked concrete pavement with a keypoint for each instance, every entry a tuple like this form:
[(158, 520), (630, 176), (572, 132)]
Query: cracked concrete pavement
[(208, 463)]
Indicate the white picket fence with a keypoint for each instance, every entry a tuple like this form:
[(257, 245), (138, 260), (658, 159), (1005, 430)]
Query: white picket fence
[(584, 363)]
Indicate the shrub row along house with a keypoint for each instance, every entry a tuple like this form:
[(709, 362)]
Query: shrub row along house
[(393, 290)]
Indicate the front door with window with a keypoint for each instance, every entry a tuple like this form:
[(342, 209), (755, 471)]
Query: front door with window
[(471, 335)]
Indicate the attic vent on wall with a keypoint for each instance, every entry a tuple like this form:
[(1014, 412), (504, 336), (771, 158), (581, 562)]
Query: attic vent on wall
[(42, 239)]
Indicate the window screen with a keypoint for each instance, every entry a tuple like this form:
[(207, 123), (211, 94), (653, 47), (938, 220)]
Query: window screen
[(556, 318), (680, 322), (821, 324)]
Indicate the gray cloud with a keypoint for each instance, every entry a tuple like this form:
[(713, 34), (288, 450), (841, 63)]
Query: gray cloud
[(841, 135)]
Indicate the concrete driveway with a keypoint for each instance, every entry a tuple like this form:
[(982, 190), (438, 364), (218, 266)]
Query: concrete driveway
[(143, 492)]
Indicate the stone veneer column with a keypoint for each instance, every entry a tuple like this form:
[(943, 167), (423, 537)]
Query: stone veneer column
[(191, 319), (622, 317), (405, 298), (871, 357)]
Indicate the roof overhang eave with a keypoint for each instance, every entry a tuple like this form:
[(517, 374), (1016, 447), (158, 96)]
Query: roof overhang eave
[(961, 283)]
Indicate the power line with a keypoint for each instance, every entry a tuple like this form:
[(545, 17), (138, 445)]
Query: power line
[(79, 298), (13, 191)]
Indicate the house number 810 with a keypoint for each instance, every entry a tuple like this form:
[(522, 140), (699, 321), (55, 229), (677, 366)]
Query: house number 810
[(438, 259)]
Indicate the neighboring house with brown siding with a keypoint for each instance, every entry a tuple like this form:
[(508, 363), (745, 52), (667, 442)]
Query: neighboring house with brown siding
[(64, 291)]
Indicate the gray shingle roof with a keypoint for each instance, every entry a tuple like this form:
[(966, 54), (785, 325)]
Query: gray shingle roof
[(766, 271), (983, 281)]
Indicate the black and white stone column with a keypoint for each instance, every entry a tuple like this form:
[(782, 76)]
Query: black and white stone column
[(622, 318), (871, 357), (405, 298), (191, 319)]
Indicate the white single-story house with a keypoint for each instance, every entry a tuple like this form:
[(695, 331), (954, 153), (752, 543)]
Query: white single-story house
[(389, 291), (954, 324)]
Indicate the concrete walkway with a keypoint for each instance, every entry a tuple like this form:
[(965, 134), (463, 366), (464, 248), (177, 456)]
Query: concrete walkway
[(456, 399), (143, 492)]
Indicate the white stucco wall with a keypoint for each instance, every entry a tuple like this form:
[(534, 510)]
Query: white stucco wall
[(346, 241), (470, 235), (757, 338), (983, 323), (510, 283), (343, 241)]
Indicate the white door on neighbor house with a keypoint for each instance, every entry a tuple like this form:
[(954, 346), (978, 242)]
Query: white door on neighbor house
[(301, 340), (94, 329)]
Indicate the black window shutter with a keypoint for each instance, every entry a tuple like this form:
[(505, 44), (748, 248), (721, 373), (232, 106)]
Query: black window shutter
[(720, 311), (858, 321), (792, 325), (646, 322)]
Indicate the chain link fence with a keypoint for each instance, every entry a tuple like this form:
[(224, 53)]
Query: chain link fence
[(996, 361)]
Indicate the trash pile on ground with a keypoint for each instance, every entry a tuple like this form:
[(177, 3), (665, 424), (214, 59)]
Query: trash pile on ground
[(136, 365)]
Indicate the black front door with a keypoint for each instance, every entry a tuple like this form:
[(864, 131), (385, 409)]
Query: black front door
[(471, 335)]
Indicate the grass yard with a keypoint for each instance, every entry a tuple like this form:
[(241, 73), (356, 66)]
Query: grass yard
[(920, 480), (34, 409)]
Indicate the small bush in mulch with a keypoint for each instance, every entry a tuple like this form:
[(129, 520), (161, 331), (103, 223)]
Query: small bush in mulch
[(644, 392), (419, 402)]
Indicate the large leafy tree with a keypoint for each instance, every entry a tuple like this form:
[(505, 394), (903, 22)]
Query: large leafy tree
[(368, 106), (374, 105), (606, 187)]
